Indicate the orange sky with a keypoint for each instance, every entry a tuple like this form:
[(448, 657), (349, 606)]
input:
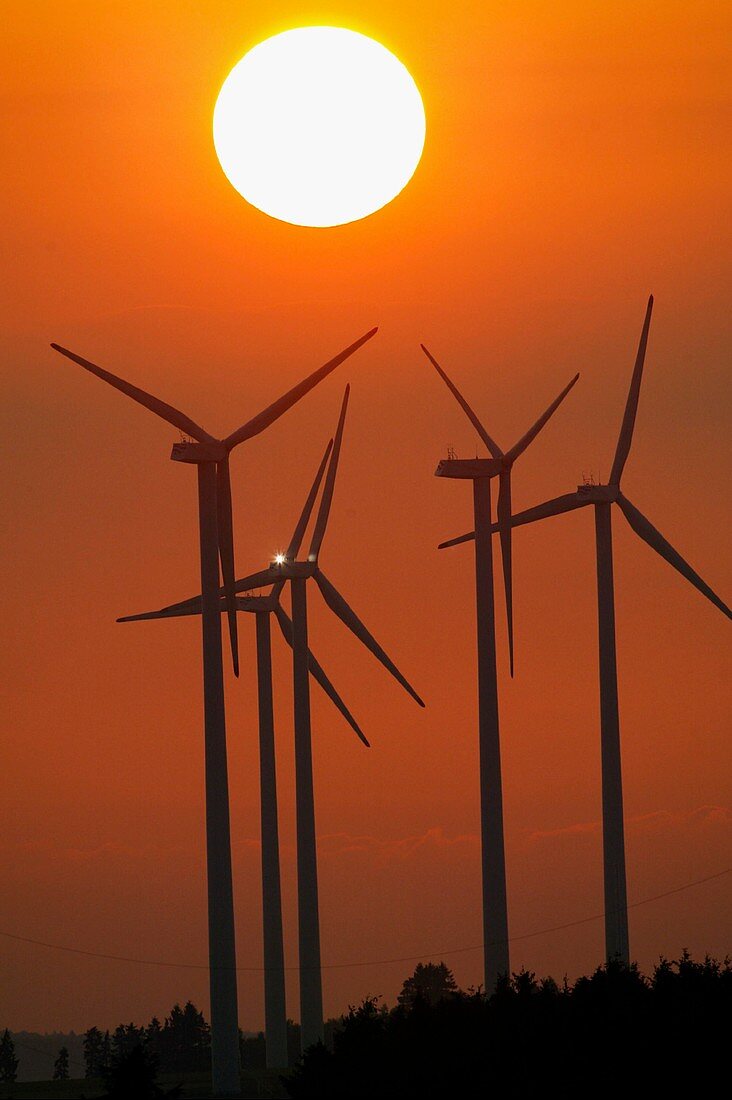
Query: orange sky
[(574, 162)]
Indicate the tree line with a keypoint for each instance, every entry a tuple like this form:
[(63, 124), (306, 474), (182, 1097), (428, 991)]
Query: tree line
[(614, 1032), (617, 1029), (181, 1044)]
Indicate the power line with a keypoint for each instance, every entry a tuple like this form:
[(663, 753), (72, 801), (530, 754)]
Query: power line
[(368, 962), (542, 931)]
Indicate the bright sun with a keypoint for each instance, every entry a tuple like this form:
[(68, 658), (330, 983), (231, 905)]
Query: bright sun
[(319, 126)]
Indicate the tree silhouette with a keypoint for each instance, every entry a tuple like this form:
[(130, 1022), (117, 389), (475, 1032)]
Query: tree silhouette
[(8, 1061), (133, 1073), (185, 1040), (153, 1033), (61, 1065), (97, 1051), (430, 982), (125, 1038), (181, 1045)]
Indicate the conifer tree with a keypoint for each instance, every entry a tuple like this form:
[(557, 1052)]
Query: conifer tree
[(430, 982), (8, 1061), (61, 1065)]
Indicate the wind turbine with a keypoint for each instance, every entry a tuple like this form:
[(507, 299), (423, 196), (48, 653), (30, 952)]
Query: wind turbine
[(211, 456), (298, 573), (602, 497), (480, 471), (263, 607)]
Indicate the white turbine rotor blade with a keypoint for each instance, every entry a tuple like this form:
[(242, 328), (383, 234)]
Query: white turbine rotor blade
[(340, 608), (274, 411), (645, 529), (316, 671), (631, 406), (166, 412), (491, 444), (327, 499), (299, 532), (530, 436)]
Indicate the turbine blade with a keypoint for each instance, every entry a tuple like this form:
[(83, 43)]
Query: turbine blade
[(174, 612), (492, 446), (183, 607), (504, 529), (187, 608), (316, 671), (297, 537), (277, 590), (226, 553), (268, 416), (456, 541), (555, 507), (657, 542), (166, 412), (530, 436), (192, 606), (324, 511), (631, 406), (340, 608)]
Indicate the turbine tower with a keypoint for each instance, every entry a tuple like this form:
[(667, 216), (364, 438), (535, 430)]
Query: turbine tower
[(298, 573), (263, 607), (211, 456), (602, 497), (481, 471)]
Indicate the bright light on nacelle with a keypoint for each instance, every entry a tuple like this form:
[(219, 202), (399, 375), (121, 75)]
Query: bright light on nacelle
[(280, 559)]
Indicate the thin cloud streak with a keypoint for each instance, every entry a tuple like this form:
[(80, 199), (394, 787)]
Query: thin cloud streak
[(657, 821)]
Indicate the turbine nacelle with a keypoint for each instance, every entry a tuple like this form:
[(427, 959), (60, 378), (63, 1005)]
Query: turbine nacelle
[(253, 604), (198, 452), (292, 570), (467, 469), (598, 494)]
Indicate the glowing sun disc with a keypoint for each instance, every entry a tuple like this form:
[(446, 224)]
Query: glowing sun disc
[(319, 126)]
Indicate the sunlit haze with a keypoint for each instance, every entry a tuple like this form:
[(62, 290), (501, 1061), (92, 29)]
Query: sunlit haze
[(573, 165)]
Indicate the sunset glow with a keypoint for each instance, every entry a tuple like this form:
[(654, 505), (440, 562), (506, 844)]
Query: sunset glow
[(572, 167)]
